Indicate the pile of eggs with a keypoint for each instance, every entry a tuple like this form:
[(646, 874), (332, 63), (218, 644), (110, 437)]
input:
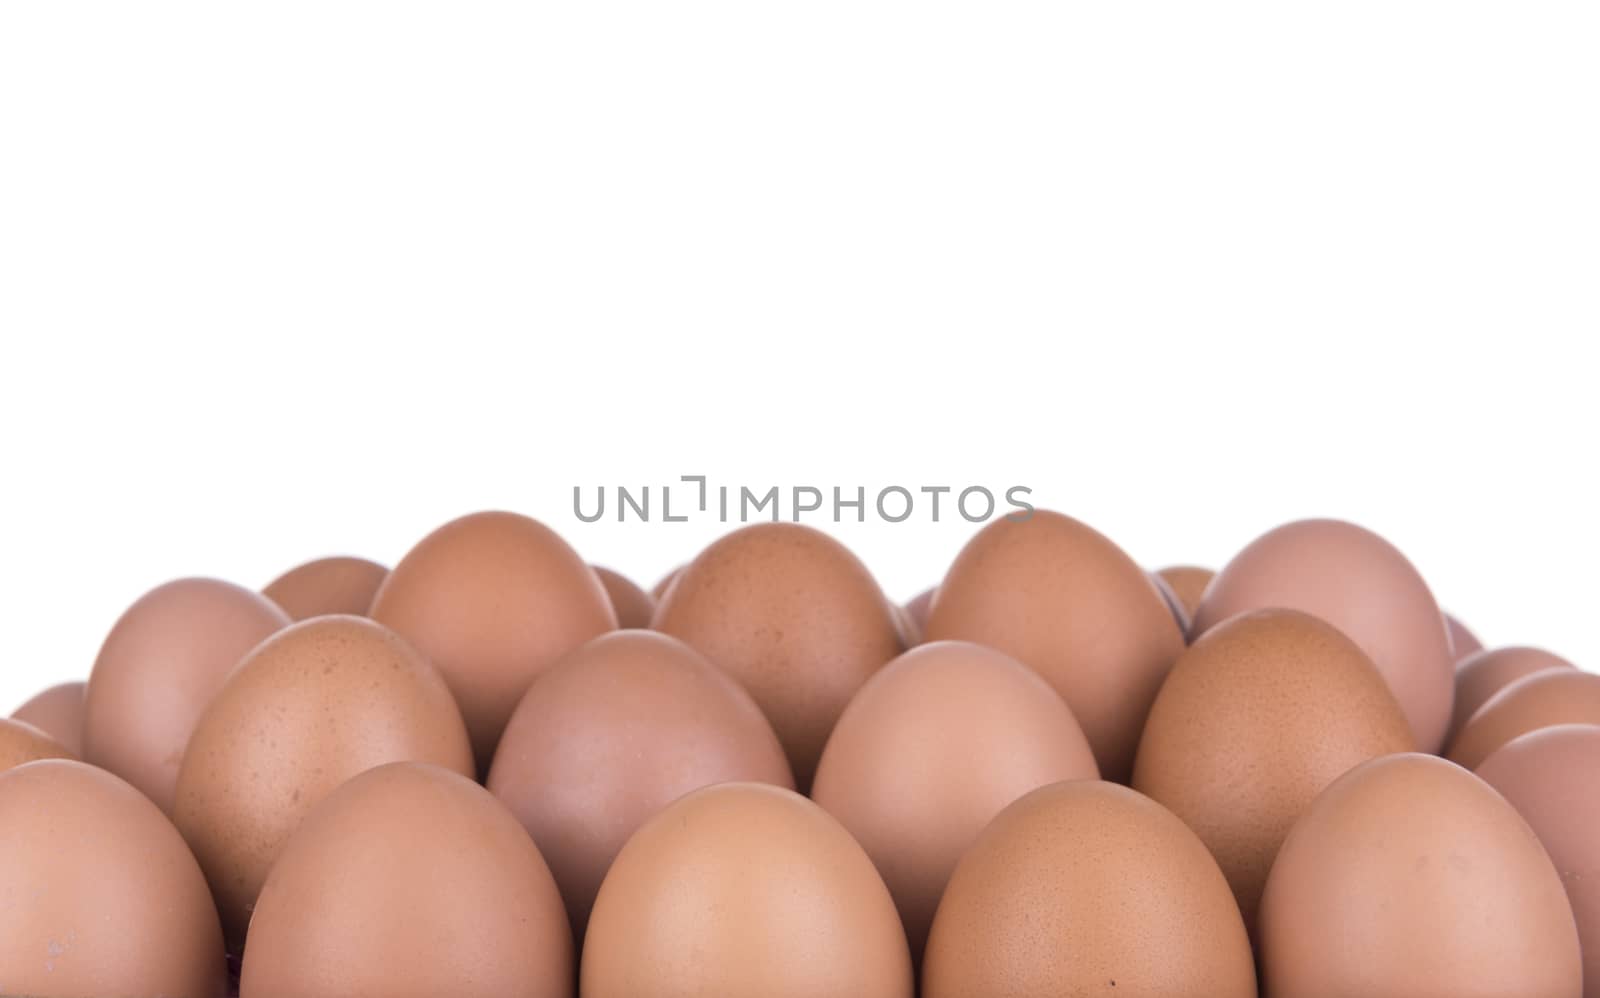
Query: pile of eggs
[(497, 771)]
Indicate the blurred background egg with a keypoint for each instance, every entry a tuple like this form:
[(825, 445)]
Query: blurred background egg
[(318, 703), (611, 734), (1462, 641), (1560, 695), (327, 585), (493, 599), (1484, 673), (633, 605), (1359, 583), (1187, 583), (917, 608), (409, 880), (1084, 888), (21, 742), (933, 747), (1410, 876), (744, 889), (1069, 604), (658, 592), (98, 893), (792, 615), (163, 661), (58, 712)]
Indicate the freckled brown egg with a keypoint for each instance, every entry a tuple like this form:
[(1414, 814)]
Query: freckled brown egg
[(21, 742), (1086, 888), (327, 586), (1359, 583), (58, 712), (316, 704), (1462, 641), (1255, 720), (492, 600), (933, 747), (1482, 674), (409, 880), (634, 606), (1552, 777), (613, 733), (160, 666), (1069, 604), (98, 894), (1188, 583), (793, 616), (1562, 695), (1409, 876), (744, 889)]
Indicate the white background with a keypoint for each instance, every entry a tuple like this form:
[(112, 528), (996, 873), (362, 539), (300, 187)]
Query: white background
[(284, 279)]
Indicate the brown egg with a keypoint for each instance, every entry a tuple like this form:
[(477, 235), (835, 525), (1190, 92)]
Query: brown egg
[(318, 703), (1255, 720), (492, 600), (1462, 641), (21, 742), (919, 606), (1179, 614), (744, 889), (1188, 584), (933, 747), (1069, 604), (1482, 674), (633, 605), (327, 586), (1409, 876), (1552, 777), (659, 591), (792, 615), (1086, 888), (1562, 695), (1359, 583), (58, 712), (613, 733), (409, 880), (98, 895), (159, 668), (907, 630)]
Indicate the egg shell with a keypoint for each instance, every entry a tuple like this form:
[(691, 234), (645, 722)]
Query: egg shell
[(1410, 877), (1179, 613), (163, 661), (794, 617), (1083, 888), (409, 880), (1361, 584), (319, 702), (613, 733), (493, 599), (1069, 604), (101, 895), (930, 750), (1255, 720), (1462, 641), (658, 592), (21, 742), (744, 889), (1188, 583), (327, 586), (1482, 674), (58, 712), (1552, 777), (917, 609), (1562, 695), (634, 606)]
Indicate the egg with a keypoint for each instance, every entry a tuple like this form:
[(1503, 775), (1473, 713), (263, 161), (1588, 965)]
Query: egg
[(1359, 583), (98, 894), (1188, 583), (1552, 777), (1255, 720), (793, 616), (1083, 888), (1484, 673), (1409, 876), (409, 880), (659, 591), (744, 889), (611, 734), (21, 742), (1069, 604), (58, 712), (318, 703), (163, 661), (327, 586), (1179, 614), (917, 608), (930, 749), (1562, 695), (493, 599), (1462, 641), (634, 606)]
